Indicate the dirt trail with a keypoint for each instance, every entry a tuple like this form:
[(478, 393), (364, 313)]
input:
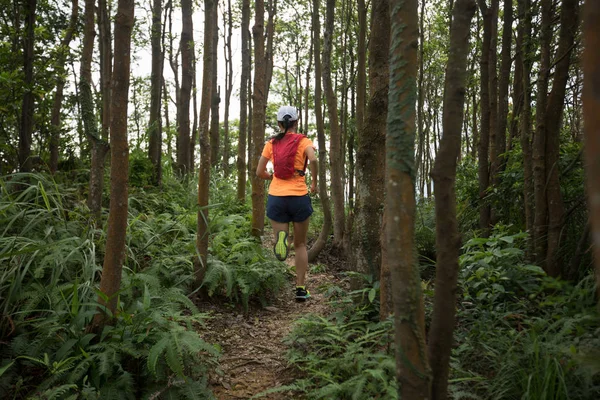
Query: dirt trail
[(252, 348)]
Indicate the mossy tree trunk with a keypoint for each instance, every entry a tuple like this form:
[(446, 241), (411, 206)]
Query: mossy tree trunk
[(370, 159), (412, 369)]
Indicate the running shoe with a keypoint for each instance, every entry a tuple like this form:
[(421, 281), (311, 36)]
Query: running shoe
[(302, 294), (281, 246)]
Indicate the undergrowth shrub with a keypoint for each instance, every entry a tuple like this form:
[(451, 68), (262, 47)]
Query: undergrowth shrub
[(346, 355), (240, 267), (49, 266), (522, 334)]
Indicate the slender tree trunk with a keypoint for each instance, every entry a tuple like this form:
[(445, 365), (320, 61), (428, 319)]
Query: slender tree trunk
[(105, 66), (204, 175), (60, 85), (241, 149), (99, 146), (484, 135), (114, 257), (194, 138), (154, 125), (412, 369), (335, 156), (228, 90), (27, 107), (323, 196), (591, 116), (568, 29), (525, 119), (370, 160), (272, 10), (215, 145), (444, 178), (539, 140), (504, 80), (187, 76), (493, 84), (258, 118), (421, 101), (169, 137), (361, 68), (250, 102)]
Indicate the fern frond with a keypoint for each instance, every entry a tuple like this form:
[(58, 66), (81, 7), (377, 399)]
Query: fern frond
[(155, 353), (59, 392)]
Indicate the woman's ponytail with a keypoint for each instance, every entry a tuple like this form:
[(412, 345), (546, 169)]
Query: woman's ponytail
[(286, 124)]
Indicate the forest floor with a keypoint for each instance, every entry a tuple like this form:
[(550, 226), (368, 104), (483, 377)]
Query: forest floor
[(252, 344)]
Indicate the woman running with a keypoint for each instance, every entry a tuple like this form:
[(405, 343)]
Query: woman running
[(288, 195)]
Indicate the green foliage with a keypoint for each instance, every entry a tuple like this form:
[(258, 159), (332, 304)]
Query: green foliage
[(49, 274), (522, 334), (346, 355), (240, 268), (140, 169)]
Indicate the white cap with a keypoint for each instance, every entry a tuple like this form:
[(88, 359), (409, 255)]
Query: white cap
[(287, 110)]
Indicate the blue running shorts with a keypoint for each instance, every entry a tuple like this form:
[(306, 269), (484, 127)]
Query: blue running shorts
[(289, 208)]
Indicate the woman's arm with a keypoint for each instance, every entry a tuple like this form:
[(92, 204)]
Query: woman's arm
[(314, 167), (261, 169)]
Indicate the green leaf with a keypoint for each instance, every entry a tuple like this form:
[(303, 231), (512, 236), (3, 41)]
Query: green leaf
[(146, 301), (508, 239), (372, 294), (5, 368)]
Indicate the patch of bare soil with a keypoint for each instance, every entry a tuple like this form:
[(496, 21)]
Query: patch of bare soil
[(252, 348)]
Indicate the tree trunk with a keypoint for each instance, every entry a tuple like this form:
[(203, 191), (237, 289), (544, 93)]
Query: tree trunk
[(484, 133), (241, 149), (105, 66), (493, 91), (114, 256), (412, 369), (99, 146), (421, 97), (504, 80), (272, 10), (204, 174), (568, 29), (27, 107), (258, 118), (228, 89), (591, 105), (60, 85), (216, 94), (154, 125), (370, 159), (194, 138), (524, 32), (444, 179), (187, 75), (335, 151), (539, 140), (323, 196)]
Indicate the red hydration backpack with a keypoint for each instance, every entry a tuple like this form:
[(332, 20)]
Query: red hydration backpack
[(284, 155)]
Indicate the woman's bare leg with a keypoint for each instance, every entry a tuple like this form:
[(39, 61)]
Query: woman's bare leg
[(301, 259)]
